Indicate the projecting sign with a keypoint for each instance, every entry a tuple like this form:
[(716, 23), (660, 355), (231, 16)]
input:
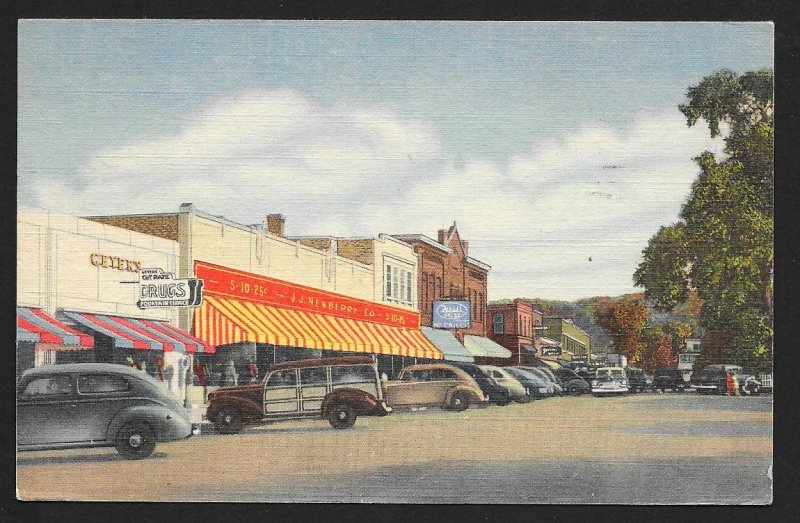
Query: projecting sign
[(451, 315), (551, 351), (161, 289)]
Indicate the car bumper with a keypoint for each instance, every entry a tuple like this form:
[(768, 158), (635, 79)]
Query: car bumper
[(175, 428), (609, 390)]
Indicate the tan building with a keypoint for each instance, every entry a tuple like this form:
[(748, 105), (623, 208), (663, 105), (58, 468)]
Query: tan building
[(77, 293)]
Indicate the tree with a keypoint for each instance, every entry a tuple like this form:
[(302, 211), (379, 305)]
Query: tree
[(664, 355), (722, 247), (624, 319)]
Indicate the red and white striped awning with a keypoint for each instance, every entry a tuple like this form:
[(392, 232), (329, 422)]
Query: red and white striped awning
[(35, 325), (137, 333)]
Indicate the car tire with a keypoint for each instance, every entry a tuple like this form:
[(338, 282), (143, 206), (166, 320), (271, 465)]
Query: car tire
[(135, 440), (341, 416), (458, 402), (503, 402), (228, 422), (524, 399)]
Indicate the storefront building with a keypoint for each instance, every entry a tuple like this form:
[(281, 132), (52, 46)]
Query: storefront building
[(77, 293), (447, 272), (380, 271), (517, 326), (566, 338)]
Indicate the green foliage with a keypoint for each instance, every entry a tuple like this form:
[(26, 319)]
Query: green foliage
[(723, 248)]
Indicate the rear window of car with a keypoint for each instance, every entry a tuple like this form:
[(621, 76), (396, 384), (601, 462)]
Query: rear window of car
[(48, 385), (443, 374), (313, 376), (102, 383)]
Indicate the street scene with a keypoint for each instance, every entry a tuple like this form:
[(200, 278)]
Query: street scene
[(395, 262)]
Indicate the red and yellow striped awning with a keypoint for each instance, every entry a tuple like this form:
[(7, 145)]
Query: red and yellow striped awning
[(220, 321)]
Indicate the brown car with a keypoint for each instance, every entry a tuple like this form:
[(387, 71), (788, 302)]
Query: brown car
[(337, 389), (435, 384)]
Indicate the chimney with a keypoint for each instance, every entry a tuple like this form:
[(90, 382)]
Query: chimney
[(465, 246), (442, 236), (275, 223)]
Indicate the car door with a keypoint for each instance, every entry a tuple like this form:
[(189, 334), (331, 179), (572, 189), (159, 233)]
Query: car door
[(313, 388), (99, 398), (46, 411), (442, 380), (281, 393)]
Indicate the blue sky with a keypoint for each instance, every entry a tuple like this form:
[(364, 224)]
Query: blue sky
[(548, 143)]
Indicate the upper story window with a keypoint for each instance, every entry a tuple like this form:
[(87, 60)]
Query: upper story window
[(498, 323), (398, 285)]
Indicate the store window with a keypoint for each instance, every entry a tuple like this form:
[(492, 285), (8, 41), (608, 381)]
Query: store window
[(498, 323)]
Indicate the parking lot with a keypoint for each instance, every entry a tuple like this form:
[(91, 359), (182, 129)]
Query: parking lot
[(646, 448)]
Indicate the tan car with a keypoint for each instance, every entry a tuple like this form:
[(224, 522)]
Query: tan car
[(434, 384)]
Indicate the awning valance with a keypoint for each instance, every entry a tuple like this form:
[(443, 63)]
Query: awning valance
[(35, 325), (447, 344), (137, 333), (480, 346), (220, 321)]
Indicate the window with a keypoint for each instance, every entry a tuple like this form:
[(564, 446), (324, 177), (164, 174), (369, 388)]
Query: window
[(100, 383), (399, 283), (49, 385), (282, 378), (498, 323), (315, 376), (352, 374), (443, 374)]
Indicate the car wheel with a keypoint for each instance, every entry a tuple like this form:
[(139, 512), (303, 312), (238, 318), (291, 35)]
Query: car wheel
[(458, 402), (228, 422), (524, 399), (596, 394), (135, 440), (503, 402), (341, 416)]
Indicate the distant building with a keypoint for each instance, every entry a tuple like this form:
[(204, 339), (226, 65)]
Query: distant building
[(687, 358), (572, 340), (517, 326)]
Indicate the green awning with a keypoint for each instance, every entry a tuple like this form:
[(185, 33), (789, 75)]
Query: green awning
[(447, 344), (480, 346)]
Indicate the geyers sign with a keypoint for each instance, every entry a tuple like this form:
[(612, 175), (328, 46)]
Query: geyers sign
[(551, 351), (451, 314), (161, 289), (232, 283)]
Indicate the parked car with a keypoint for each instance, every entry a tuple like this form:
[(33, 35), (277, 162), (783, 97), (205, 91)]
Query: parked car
[(609, 380), (669, 378), (536, 386), (434, 384), (80, 405), (712, 380), (337, 389), (546, 374), (509, 382), (572, 382), (637, 381), (491, 389)]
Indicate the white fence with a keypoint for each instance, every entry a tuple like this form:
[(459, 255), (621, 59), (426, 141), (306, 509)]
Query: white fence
[(766, 381)]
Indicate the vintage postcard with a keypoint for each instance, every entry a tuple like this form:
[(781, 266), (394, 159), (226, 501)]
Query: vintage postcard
[(395, 262)]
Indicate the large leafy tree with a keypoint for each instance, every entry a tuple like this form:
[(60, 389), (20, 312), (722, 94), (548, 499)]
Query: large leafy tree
[(722, 248)]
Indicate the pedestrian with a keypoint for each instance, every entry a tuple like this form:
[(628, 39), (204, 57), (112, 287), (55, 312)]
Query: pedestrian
[(160, 367), (736, 385), (730, 384), (252, 372)]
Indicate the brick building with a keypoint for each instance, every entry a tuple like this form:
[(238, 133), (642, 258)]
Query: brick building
[(517, 326), (447, 272)]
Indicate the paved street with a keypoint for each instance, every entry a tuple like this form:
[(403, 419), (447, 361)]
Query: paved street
[(649, 448)]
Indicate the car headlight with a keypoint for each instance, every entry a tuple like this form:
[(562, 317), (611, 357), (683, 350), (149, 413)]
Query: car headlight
[(594, 383)]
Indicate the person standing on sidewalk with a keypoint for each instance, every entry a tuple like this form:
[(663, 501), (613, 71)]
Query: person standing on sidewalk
[(730, 386)]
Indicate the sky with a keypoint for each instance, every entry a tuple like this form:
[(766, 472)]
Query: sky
[(557, 148)]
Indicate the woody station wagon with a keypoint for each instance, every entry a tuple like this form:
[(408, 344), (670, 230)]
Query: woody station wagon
[(337, 389)]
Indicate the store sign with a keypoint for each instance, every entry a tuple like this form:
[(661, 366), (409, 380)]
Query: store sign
[(241, 285), (451, 315), (161, 289), (114, 262), (551, 351)]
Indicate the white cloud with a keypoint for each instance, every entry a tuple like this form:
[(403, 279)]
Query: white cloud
[(592, 192)]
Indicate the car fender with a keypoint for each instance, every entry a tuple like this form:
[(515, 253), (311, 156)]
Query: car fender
[(473, 398), (154, 414), (246, 407), (363, 402)]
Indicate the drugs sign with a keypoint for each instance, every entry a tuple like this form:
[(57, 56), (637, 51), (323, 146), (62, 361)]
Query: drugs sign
[(161, 289), (451, 314)]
